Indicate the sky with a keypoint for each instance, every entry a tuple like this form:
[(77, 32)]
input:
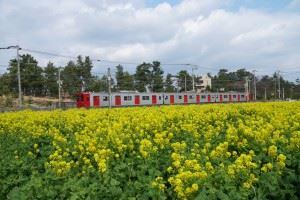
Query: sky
[(262, 35)]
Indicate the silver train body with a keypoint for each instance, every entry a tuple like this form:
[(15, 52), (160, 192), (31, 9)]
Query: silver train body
[(96, 99)]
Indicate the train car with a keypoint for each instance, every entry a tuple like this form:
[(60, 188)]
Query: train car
[(136, 99), (99, 99)]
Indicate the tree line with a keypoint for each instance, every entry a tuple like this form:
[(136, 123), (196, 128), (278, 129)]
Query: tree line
[(77, 76)]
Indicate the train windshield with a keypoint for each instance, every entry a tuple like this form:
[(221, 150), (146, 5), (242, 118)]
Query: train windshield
[(79, 97)]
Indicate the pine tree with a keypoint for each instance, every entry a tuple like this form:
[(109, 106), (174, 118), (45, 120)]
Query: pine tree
[(71, 79), (31, 76), (169, 84), (119, 76), (51, 78), (184, 81), (142, 77), (157, 81), (125, 81)]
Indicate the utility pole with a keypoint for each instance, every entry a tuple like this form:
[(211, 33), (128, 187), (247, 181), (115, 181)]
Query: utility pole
[(275, 85), (193, 76), (18, 72), (246, 88), (249, 90), (185, 83), (282, 93), (109, 87), (265, 94), (59, 88), (279, 95), (254, 84), (19, 77)]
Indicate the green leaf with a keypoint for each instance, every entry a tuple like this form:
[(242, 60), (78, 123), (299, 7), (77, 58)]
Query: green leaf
[(114, 182)]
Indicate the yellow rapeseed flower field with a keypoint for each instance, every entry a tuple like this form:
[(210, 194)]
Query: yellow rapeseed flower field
[(219, 151)]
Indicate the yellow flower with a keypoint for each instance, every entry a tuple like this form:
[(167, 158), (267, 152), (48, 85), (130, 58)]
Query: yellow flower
[(246, 185), (195, 187), (146, 147), (267, 167), (209, 166), (272, 151), (281, 158)]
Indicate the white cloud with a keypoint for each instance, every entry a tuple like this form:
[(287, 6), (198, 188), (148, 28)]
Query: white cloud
[(294, 5), (201, 32)]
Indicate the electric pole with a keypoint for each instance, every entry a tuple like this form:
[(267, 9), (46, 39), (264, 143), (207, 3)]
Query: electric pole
[(59, 88), (246, 88), (18, 72), (249, 90), (279, 95), (193, 76), (19, 77), (109, 87), (254, 84), (185, 83), (275, 77), (282, 93), (265, 94)]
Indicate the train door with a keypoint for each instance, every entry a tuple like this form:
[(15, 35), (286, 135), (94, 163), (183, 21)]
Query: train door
[(230, 98), (86, 99), (80, 100), (96, 101), (208, 98), (221, 98), (117, 100), (137, 100), (185, 99), (239, 98), (171, 99), (154, 100), (248, 97), (197, 98)]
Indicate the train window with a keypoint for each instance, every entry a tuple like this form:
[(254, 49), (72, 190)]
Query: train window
[(105, 98), (166, 97), (234, 96), (203, 97), (127, 98), (79, 97), (88, 98), (191, 96), (159, 97), (225, 96), (145, 98), (242, 96), (179, 97)]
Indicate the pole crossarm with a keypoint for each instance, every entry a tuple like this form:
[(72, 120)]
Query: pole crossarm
[(11, 47)]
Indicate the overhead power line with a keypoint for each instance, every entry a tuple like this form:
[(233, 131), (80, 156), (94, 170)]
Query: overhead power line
[(49, 53), (118, 62), (114, 61)]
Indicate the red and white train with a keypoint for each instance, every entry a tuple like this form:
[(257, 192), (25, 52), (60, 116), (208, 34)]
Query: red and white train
[(96, 99)]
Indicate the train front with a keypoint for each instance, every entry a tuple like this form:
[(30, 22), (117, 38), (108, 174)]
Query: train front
[(83, 100)]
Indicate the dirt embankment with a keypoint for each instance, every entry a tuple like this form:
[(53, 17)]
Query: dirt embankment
[(9, 101)]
